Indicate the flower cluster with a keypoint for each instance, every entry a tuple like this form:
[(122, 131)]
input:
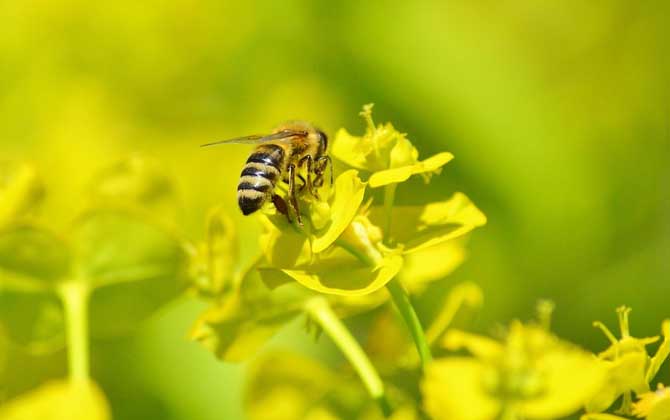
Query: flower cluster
[(630, 370), (349, 248), (528, 374)]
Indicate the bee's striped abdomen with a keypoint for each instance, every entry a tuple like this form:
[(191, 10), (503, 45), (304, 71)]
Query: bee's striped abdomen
[(259, 176)]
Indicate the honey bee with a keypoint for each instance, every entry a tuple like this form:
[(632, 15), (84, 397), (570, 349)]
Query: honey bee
[(291, 150)]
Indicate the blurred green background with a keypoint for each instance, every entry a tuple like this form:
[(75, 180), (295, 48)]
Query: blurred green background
[(558, 114)]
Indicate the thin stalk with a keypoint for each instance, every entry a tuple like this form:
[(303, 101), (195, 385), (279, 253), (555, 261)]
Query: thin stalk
[(398, 292), (406, 309), (320, 311), (74, 296), (389, 198)]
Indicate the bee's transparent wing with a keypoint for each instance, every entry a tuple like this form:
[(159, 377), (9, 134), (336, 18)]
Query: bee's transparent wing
[(284, 135)]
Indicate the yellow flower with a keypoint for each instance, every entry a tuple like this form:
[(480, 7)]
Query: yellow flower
[(630, 369), (530, 374), (384, 152), (59, 400), (417, 228), (286, 386), (338, 255), (654, 405), (352, 242)]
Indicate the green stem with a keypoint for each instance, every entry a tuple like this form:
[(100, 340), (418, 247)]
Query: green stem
[(74, 295), (398, 292), (389, 198), (402, 302), (319, 310)]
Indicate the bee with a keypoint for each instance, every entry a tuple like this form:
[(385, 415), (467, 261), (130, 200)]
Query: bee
[(291, 150)]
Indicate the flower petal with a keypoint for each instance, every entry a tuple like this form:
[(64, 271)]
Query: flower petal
[(345, 275), (32, 258), (350, 149), (453, 390), (479, 346), (432, 224), (349, 192), (430, 264), (57, 401), (570, 378), (624, 374), (401, 174)]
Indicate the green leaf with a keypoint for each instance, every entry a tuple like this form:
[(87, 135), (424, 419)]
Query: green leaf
[(59, 401), (33, 321), (136, 182), (31, 258), (133, 267), (21, 191), (118, 309), (116, 247), (341, 274), (432, 224)]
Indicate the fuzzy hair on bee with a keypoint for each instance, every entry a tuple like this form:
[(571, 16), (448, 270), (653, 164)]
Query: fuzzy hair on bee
[(280, 156)]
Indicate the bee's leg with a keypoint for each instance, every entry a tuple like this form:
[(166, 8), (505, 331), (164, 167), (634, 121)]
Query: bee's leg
[(291, 192), (280, 205), (310, 187), (323, 162), (304, 183), (318, 180)]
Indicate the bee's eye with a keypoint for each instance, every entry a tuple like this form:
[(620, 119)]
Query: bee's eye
[(324, 140)]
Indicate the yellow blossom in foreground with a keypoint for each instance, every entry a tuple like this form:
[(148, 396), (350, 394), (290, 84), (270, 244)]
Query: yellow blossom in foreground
[(57, 401), (531, 374), (630, 368), (654, 405), (340, 250)]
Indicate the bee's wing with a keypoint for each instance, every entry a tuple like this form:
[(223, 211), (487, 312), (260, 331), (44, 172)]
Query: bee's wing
[(284, 135)]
